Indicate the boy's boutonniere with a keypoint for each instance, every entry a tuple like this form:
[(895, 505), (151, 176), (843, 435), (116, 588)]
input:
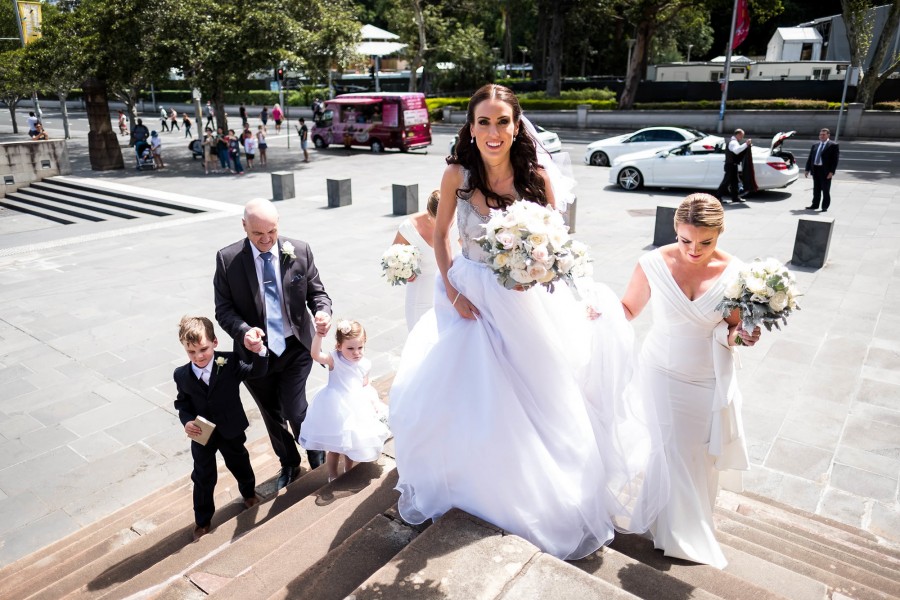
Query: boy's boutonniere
[(220, 362), (287, 249)]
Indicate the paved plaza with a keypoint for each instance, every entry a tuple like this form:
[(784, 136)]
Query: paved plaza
[(89, 314)]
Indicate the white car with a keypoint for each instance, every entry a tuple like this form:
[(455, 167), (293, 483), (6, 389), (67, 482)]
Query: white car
[(602, 153), (684, 167), (548, 139)]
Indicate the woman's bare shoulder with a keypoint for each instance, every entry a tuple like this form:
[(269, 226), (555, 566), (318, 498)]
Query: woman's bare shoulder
[(454, 173)]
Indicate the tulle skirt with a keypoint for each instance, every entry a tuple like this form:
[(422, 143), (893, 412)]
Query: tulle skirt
[(520, 416), (346, 423)]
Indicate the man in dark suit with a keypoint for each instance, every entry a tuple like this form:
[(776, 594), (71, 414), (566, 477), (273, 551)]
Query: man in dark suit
[(734, 155), (822, 163), (210, 387), (265, 288)]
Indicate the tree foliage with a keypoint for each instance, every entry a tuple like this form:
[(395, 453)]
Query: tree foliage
[(859, 18), (14, 82)]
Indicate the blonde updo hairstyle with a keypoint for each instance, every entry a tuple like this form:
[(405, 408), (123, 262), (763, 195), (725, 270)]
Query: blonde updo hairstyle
[(701, 210), (348, 330), (432, 205)]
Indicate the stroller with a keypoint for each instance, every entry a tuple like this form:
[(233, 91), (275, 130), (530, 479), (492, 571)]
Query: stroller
[(143, 156), (196, 148)]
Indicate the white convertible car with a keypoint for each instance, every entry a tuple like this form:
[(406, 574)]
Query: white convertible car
[(683, 166)]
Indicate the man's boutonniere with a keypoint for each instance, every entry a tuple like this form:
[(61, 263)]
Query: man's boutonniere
[(287, 249), (220, 362)]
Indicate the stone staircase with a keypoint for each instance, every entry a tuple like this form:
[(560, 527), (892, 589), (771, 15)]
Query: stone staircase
[(318, 540), (68, 202)]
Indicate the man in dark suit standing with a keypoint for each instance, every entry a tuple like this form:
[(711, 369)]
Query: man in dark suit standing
[(734, 154), (265, 287), (822, 163)]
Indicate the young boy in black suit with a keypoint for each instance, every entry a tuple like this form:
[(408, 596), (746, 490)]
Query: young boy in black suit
[(209, 387)]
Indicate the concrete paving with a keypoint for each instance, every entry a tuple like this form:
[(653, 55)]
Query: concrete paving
[(89, 313)]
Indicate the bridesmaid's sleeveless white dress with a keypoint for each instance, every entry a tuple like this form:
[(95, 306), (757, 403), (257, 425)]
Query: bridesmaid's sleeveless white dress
[(419, 293), (688, 370)]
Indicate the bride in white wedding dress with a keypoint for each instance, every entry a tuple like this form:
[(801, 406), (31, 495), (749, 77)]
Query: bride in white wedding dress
[(508, 404)]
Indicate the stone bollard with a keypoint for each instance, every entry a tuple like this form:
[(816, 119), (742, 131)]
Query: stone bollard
[(582, 115), (664, 229), (282, 185), (406, 199), (338, 193), (812, 242), (569, 215)]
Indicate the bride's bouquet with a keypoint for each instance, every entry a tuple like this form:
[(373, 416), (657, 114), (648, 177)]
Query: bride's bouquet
[(528, 244), (764, 292), (400, 263)]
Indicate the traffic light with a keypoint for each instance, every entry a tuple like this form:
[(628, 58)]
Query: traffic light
[(279, 73)]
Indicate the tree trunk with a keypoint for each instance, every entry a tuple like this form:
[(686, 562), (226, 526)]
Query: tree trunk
[(637, 66), (539, 55), (874, 77), (12, 112), (65, 112), (507, 36), (555, 50), (103, 145), (419, 58), (218, 101)]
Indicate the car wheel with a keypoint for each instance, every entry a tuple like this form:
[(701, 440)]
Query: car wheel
[(319, 142), (599, 159), (630, 179), (377, 146)]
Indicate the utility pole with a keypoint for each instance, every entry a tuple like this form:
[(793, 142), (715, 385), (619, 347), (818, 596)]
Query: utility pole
[(721, 124), (34, 98)]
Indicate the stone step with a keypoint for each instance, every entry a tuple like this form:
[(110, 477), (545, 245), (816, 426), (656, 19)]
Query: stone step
[(79, 189), (810, 525), (119, 210), (149, 569), (22, 198), (829, 561), (775, 578), (837, 585), (35, 211), (819, 544), (163, 539), (714, 581), (121, 528), (303, 536), (340, 571), (461, 556), (99, 197), (637, 578)]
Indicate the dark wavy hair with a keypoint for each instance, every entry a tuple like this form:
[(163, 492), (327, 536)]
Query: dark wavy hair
[(527, 178)]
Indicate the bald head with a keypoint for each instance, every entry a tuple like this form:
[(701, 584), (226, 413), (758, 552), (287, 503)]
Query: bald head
[(261, 224)]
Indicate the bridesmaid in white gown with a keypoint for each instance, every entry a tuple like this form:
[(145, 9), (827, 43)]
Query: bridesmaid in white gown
[(687, 368), (490, 408), (418, 230)]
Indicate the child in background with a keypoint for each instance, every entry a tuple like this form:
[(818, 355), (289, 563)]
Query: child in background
[(343, 418), (209, 387), (249, 148)]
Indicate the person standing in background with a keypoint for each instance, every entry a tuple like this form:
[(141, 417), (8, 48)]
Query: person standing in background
[(822, 163)]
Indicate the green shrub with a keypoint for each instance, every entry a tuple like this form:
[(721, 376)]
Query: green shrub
[(585, 94), (887, 106)]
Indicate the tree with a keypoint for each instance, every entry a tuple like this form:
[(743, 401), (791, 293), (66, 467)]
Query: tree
[(650, 16), (14, 83), (59, 58), (859, 18), (421, 47)]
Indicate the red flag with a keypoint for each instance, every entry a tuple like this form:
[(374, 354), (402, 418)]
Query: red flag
[(742, 25)]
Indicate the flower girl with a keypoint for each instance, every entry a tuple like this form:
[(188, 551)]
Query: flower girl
[(343, 419)]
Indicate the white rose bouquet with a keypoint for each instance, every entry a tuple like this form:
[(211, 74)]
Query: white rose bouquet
[(764, 292), (528, 244), (400, 263)]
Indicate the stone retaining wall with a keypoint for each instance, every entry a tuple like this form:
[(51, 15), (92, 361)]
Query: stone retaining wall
[(22, 163)]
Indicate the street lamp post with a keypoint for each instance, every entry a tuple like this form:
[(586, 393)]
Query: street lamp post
[(689, 52)]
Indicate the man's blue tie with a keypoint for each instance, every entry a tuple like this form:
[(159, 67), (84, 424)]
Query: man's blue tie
[(274, 324)]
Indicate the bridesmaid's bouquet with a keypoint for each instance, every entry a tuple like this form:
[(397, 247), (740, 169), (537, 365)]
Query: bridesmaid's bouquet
[(400, 263), (764, 292), (528, 244)]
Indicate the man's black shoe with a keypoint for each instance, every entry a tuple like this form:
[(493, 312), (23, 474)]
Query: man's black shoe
[(812, 208), (287, 475)]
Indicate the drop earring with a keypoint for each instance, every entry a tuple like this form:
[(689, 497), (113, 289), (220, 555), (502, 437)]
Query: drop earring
[(472, 140)]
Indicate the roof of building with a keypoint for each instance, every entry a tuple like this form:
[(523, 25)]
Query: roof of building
[(371, 33), (799, 34)]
